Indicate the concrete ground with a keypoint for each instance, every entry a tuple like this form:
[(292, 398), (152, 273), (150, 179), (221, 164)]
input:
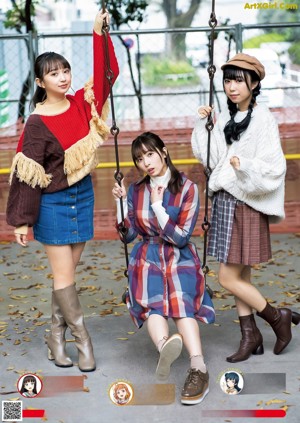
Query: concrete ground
[(125, 353)]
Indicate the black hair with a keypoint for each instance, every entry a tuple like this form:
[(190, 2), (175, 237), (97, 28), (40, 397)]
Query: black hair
[(44, 64), (235, 377), (148, 141), (233, 130), (29, 378)]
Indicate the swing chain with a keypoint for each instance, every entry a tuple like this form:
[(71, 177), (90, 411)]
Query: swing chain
[(105, 27), (213, 20), (114, 130), (209, 126)]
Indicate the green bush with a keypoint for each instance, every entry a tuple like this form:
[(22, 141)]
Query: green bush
[(255, 42), (294, 52), (168, 73)]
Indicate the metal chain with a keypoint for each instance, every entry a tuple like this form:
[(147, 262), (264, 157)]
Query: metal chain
[(209, 126), (114, 130)]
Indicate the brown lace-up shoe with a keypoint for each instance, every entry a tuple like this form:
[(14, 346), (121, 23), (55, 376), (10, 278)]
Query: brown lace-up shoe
[(195, 387)]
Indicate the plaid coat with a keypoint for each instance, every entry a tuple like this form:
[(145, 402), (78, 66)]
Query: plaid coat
[(165, 275)]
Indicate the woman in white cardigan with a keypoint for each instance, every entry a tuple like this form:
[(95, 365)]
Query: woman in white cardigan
[(247, 191)]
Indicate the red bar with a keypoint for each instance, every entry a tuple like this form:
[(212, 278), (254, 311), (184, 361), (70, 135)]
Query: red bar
[(33, 413), (245, 413), (270, 413)]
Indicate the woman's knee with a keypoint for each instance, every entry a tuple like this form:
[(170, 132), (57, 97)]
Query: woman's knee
[(226, 278), (224, 281)]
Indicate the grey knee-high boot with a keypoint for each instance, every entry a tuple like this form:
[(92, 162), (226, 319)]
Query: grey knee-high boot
[(56, 340), (68, 301)]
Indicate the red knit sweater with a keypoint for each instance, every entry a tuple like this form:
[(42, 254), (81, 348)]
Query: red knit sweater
[(57, 151)]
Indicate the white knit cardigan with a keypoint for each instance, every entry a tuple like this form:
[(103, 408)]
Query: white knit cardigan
[(259, 182)]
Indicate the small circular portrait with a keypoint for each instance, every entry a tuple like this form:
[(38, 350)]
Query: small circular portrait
[(232, 383), (29, 385), (121, 393)]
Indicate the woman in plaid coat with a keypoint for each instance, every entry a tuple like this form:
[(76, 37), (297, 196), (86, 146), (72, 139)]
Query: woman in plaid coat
[(165, 275)]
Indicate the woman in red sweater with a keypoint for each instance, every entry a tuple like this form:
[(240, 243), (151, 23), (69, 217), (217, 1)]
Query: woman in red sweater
[(51, 187)]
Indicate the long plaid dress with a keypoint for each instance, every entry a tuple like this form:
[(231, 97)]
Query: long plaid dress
[(165, 275)]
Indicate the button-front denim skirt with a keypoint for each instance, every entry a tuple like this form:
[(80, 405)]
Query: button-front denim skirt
[(66, 216)]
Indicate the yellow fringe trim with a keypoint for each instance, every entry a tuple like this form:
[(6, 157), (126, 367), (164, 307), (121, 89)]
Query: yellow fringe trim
[(97, 122), (29, 171), (79, 174), (82, 155)]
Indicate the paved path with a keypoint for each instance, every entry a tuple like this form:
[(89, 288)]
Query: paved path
[(126, 353)]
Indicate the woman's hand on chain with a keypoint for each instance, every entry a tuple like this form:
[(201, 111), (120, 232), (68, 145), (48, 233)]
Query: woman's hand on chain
[(119, 191), (99, 21)]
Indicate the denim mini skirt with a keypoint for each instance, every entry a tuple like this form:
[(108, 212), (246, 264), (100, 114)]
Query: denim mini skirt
[(66, 216)]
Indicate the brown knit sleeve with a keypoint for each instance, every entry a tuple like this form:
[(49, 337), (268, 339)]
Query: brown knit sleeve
[(23, 203), (28, 178)]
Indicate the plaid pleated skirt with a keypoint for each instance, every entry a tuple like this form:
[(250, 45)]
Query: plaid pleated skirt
[(239, 234), (66, 216)]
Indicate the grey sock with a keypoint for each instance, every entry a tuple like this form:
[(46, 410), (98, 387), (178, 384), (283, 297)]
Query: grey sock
[(197, 362)]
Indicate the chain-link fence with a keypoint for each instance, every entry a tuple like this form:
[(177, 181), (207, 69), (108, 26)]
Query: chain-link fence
[(167, 76), (163, 80)]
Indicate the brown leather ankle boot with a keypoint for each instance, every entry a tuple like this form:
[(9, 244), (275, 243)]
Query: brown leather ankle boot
[(251, 342), (280, 320)]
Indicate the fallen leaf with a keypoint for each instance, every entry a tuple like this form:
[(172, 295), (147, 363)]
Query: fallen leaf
[(18, 297), (39, 268), (106, 312), (275, 401)]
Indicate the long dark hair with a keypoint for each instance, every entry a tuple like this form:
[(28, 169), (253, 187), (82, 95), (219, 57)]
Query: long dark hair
[(44, 64), (233, 130), (28, 379), (235, 377), (148, 141)]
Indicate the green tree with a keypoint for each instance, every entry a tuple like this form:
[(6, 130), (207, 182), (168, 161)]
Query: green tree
[(281, 16), (125, 12), (19, 17), (177, 18), (290, 33)]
